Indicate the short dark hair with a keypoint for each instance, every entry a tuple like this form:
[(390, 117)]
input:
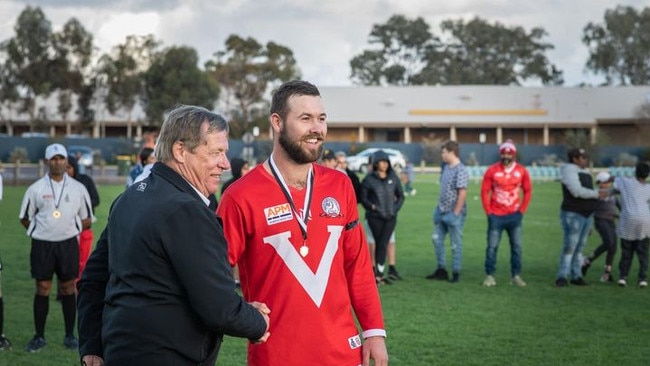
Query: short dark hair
[(452, 146), (287, 90), (576, 153), (642, 170), (145, 153)]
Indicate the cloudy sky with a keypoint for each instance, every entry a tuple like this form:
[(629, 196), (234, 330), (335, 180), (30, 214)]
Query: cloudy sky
[(324, 35)]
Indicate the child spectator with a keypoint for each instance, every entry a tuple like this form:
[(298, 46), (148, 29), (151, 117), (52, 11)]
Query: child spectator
[(634, 224), (605, 222)]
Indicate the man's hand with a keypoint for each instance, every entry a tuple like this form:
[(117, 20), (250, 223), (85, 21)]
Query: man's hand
[(265, 311), (92, 360), (374, 348)]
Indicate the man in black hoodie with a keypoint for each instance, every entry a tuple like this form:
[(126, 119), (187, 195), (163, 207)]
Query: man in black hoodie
[(382, 197)]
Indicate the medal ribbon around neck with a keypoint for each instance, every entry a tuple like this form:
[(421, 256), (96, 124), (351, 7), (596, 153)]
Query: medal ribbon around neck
[(302, 219), (56, 212)]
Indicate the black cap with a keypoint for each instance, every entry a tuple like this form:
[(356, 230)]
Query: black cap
[(328, 155), (576, 153)]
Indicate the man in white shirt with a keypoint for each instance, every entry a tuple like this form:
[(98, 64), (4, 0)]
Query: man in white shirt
[(54, 210)]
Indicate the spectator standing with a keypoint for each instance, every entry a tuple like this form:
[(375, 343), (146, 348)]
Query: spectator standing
[(4, 341), (86, 237), (634, 223), (390, 248), (605, 222), (54, 210), (145, 157), (239, 167), (504, 184), (293, 228), (449, 215), (579, 202), (382, 197), (146, 170), (158, 289), (342, 165), (407, 175), (328, 159)]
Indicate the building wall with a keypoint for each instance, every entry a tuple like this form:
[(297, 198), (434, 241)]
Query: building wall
[(385, 112)]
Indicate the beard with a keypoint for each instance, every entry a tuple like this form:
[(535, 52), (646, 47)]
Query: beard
[(296, 152), (506, 161)]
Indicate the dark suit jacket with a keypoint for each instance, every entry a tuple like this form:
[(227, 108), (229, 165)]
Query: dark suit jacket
[(158, 289)]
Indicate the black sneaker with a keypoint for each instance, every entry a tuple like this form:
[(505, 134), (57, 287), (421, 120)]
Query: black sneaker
[(394, 275), (455, 277), (71, 343), (4, 343), (579, 282), (36, 344), (561, 282), (439, 274)]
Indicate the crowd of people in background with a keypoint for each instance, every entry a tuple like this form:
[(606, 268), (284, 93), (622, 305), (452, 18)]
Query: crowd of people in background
[(293, 222)]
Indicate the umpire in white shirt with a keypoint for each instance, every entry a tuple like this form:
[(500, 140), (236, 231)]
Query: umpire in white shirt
[(54, 210)]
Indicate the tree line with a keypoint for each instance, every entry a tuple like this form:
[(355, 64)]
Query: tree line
[(38, 62)]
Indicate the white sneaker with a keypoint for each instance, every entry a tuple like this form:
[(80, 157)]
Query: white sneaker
[(606, 277), (517, 281), (643, 284), (413, 192), (489, 281), (622, 282)]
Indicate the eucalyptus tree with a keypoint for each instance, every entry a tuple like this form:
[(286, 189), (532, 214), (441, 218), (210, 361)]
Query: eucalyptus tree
[(174, 78), (28, 61), (619, 48), (405, 52), (245, 71)]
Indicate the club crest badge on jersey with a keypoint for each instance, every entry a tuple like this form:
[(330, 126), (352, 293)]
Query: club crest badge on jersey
[(331, 207), (278, 214)]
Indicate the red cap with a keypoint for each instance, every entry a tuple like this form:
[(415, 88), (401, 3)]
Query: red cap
[(507, 147)]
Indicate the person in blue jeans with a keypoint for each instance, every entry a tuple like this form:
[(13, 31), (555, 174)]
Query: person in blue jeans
[(449, 215), (503, 184), (579, 202)]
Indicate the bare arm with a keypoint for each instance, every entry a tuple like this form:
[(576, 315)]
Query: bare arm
[(462, 197)]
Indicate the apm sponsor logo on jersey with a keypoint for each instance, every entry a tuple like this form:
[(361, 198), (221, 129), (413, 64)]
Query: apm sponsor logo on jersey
[(277, 214)]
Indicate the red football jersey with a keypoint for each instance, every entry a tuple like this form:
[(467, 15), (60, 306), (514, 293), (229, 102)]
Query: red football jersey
[(313, 298), (501, 188)]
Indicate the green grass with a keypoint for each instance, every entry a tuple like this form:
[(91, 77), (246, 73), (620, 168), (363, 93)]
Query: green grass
[(428, 322)]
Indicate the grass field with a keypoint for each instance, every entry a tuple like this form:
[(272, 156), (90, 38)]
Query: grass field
[(428, 322)]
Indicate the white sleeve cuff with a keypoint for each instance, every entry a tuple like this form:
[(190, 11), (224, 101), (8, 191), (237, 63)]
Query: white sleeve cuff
[(374, 333)]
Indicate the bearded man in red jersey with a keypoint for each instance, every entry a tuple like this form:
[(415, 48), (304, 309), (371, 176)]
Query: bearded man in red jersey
[(293, 229), (503, 184)]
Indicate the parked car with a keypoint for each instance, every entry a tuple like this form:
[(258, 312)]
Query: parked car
[(359, 162), (84, 155)]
